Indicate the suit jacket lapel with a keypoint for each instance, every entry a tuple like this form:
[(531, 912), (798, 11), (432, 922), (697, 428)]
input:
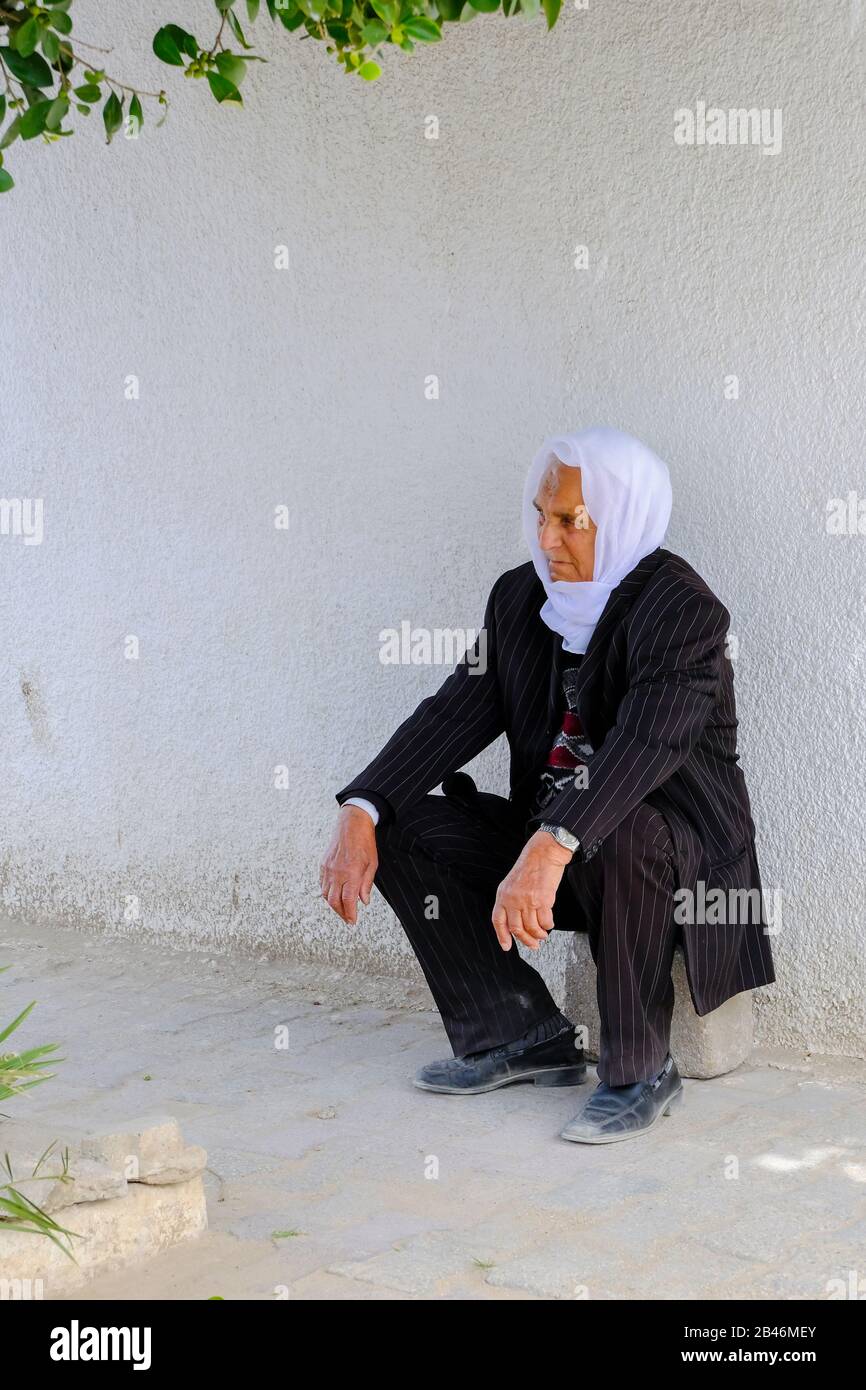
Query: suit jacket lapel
[(614, 610), (555, 675), (616, 606)]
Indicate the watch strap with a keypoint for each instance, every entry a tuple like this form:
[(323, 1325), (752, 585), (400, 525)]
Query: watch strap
[(561, 835)]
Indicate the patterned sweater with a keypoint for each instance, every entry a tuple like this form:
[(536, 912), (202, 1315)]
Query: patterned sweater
[(571, 750)]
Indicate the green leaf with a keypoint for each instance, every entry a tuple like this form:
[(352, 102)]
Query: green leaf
[(551, 11), (291, 19), (425, 30), (387, 11), (6, 181), (33, 70), (374, 32), (224, 90), (166, 49), (112, 116), (59, 108), (13, 130), (16, 1022), (135, 111), (33, 120), (485, 6), (232, 68), (2, 108), (234, 25), (253, 10), (88, 92), (26, 39), (51, 46), (184, 40), (61, 22), (369, 71)]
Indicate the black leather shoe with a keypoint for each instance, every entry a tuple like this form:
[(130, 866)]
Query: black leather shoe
[(621, 1112), (556, 1062)]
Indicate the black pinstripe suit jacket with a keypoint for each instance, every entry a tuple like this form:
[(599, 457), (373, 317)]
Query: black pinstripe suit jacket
[(656, 697)]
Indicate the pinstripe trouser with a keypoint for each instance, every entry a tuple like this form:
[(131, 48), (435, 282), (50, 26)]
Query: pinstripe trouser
[(439, 868)]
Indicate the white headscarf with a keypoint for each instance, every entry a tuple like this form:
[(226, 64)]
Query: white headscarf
[(627, 492)]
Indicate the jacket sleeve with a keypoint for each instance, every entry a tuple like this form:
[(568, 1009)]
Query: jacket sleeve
[(674, 674), (445, 731)]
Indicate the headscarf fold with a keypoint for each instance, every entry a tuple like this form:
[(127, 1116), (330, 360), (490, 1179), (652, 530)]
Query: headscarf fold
[(627, 492)]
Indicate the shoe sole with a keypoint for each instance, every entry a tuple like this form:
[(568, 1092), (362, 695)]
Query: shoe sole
[(675, 1101), (550, 1076)]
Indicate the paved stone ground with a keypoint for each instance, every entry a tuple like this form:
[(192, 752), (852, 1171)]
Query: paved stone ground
[(331, 1176)]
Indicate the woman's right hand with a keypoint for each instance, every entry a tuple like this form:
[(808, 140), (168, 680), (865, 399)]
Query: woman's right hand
[(349, 867)]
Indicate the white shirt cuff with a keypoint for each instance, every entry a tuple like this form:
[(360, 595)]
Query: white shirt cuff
[(365, 806)]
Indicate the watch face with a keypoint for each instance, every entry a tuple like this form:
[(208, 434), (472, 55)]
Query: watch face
[(562, 836)]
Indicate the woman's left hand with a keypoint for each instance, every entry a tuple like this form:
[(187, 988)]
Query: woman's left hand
[(525, 897)]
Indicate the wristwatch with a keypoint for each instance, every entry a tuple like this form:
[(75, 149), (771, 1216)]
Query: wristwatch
[(562, 836)]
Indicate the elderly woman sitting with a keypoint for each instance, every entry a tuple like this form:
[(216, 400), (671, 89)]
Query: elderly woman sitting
[(606, 670)]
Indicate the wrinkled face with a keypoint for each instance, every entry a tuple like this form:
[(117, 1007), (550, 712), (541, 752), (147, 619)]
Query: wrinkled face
[(566, 532)]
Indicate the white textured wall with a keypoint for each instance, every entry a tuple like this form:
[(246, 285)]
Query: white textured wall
[(258, 387)]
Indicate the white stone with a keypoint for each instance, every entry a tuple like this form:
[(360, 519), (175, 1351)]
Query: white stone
[(110, 1234), (86, 1181), (701, 1047), (149, 1150)]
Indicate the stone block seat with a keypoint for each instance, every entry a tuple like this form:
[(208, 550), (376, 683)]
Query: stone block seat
[(701, 1047)]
